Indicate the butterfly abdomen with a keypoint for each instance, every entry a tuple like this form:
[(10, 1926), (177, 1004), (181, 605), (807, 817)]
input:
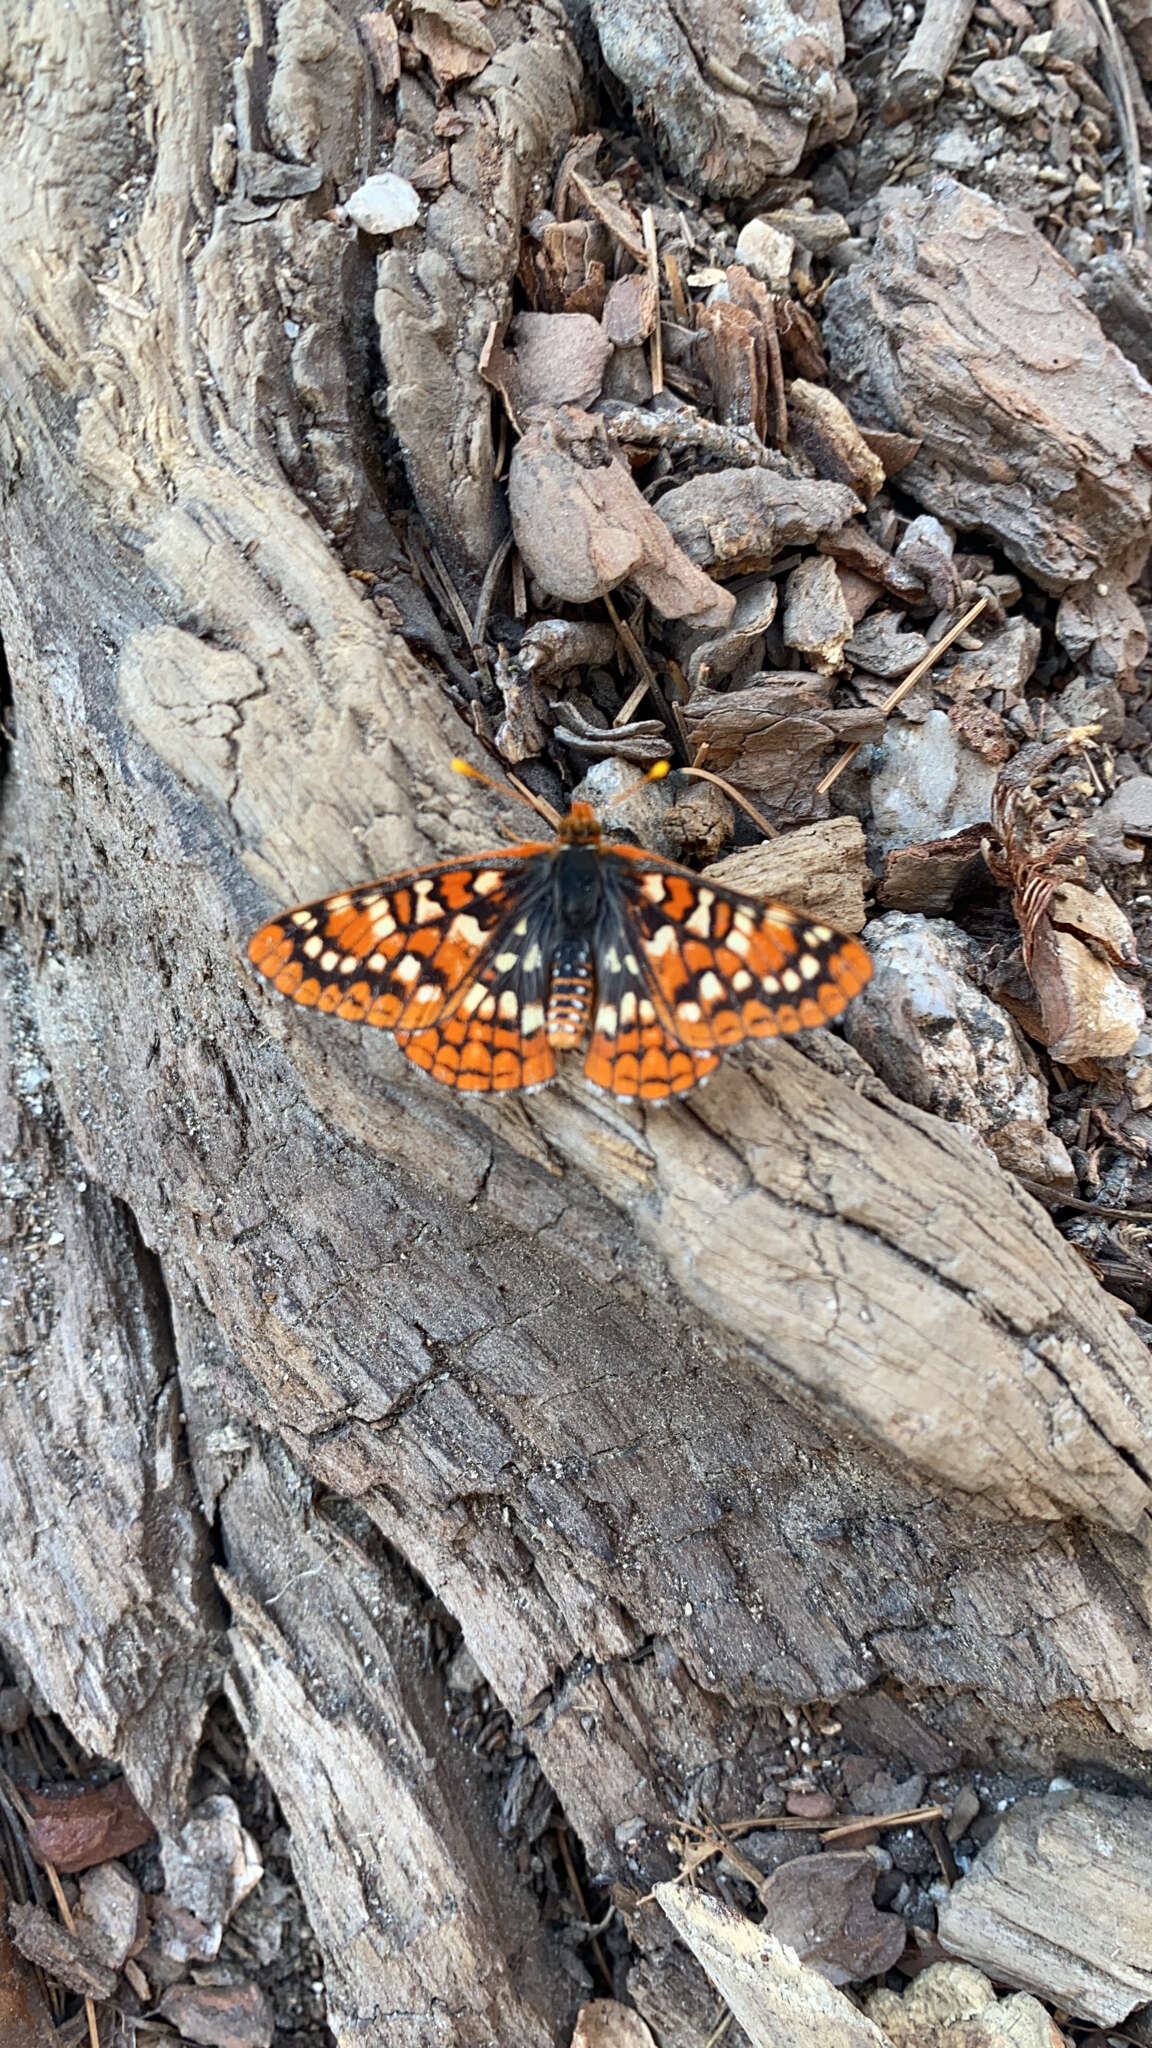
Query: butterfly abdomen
[(570, 993)]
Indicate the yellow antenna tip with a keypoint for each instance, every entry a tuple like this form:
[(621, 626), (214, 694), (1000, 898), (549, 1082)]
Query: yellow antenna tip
[(658, 771), (462, 767)]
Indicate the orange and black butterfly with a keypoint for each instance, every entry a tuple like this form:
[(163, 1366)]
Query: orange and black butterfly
[(484, 969)]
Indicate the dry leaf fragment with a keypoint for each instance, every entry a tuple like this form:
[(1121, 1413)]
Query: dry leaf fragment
[(452, 36), (74, 1829), (1074, 938), (822, 1907), (582, 526), (551, 359)]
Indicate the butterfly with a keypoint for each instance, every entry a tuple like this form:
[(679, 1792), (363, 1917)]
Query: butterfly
[(483, 970)]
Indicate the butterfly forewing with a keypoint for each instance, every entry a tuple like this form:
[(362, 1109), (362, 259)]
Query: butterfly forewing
[(419, 954)]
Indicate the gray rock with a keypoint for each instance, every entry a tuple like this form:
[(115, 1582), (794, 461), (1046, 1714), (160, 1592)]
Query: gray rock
[(1009, 86), (926, 784), (942, 1044)]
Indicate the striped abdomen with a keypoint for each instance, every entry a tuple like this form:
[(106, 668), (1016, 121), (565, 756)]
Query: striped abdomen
[(570, 993)]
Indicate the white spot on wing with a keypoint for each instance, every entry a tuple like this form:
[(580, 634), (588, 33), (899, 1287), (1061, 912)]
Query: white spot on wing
[(700, 921), (663, 940), (465, 931), (314, 945), (606, 1019), (711, 987), (628, 1006), (507, 1005), (531, 1018), (407, 968), (328, 960)]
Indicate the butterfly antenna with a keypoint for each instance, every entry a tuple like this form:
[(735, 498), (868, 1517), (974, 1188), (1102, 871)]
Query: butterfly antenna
[(656, 773), (510, 788)]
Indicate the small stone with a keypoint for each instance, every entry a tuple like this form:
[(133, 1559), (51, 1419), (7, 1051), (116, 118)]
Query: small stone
[(767, 253), (871, 20), (957, 150), (817, 232), (1009, 86), (926, 784), (220, 2015), (384, 204)]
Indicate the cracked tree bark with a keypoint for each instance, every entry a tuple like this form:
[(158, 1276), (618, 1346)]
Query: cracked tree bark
[(786, 1394)]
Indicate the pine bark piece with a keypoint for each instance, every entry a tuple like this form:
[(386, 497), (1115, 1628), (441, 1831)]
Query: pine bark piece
[(1059, 1903), (733, 356), (732, 97), (23, 2013), (772, 737), (817, 621), (965, 327), (67, 1957), (822, 428), (821, 868), (736, 520)]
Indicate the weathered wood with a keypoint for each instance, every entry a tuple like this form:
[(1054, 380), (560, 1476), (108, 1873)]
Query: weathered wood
[(682, 1415), (1057, 1902)]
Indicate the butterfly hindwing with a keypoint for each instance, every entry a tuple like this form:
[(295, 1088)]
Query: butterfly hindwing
[(493, 1036), (723, 967), (633, 1051)]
